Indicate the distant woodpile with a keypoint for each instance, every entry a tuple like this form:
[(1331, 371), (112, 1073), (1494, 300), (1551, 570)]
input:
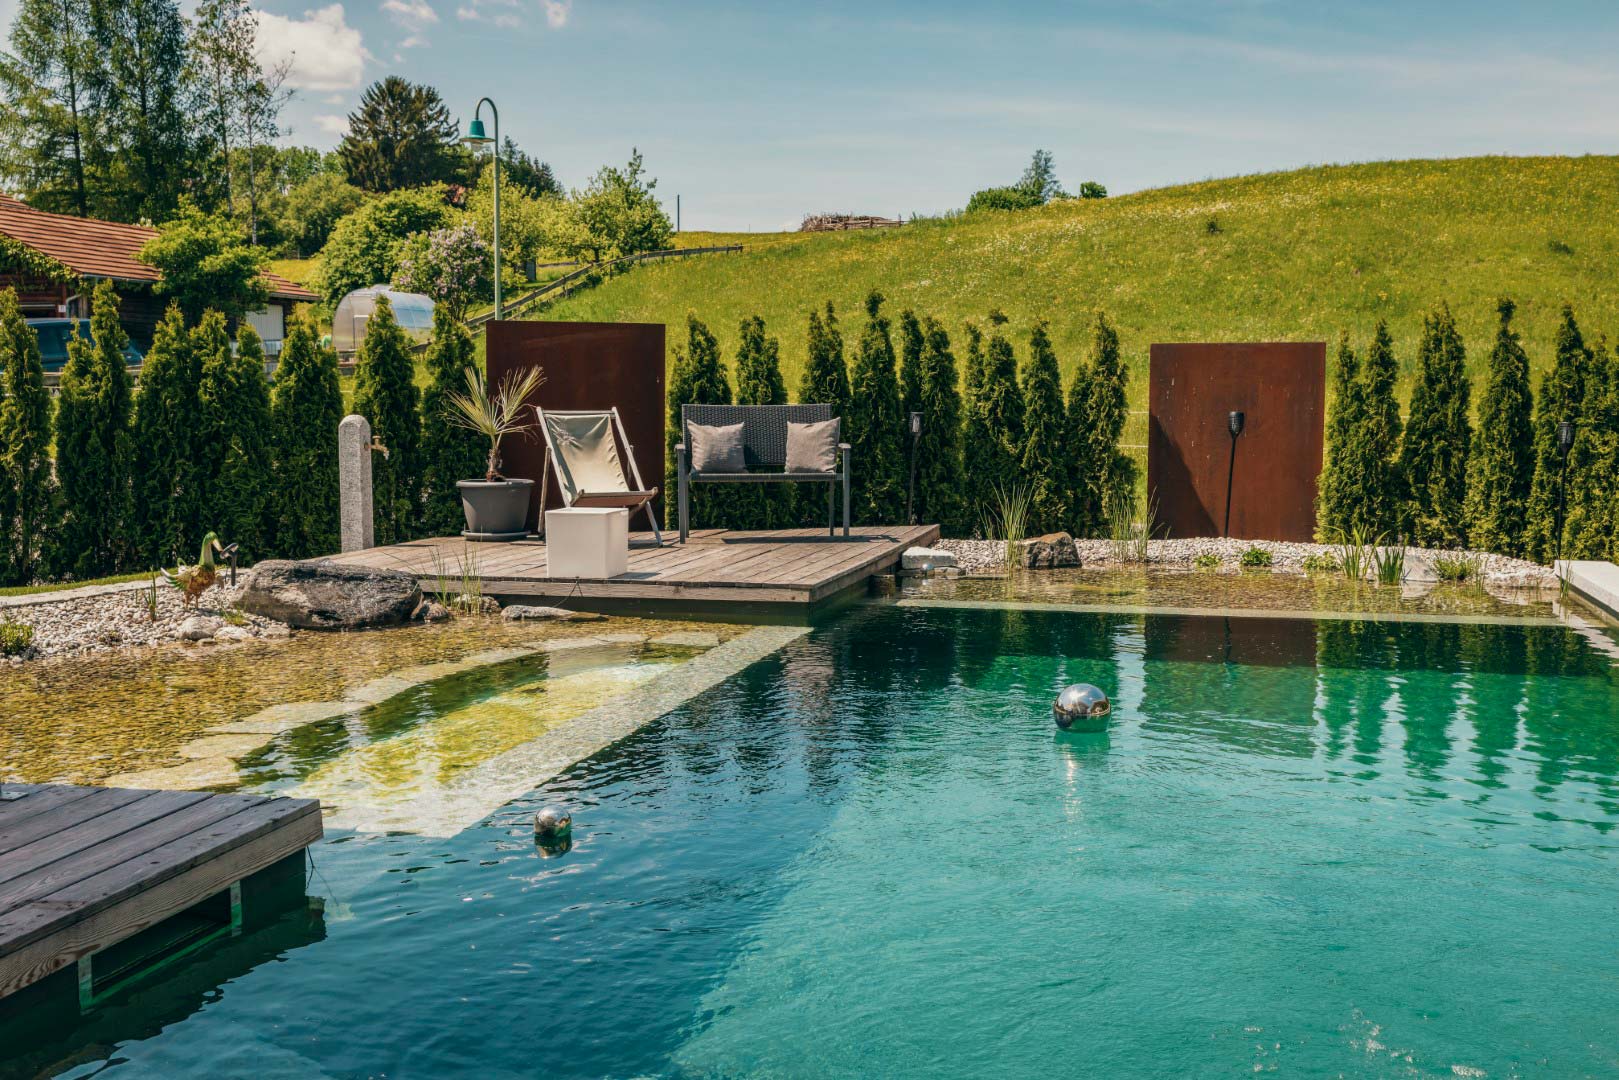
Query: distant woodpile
[(838, 222)]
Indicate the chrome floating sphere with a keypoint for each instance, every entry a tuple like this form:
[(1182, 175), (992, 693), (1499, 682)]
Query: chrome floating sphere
[(553, 824), (1081, 707)]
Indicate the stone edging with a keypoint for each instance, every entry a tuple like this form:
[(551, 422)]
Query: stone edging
[(63, 596)]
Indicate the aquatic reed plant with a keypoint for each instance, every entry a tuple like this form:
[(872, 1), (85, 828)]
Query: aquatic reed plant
[(1128, 533), (1352, 553), (1007, 519), (1388, 562), (1458, 566)]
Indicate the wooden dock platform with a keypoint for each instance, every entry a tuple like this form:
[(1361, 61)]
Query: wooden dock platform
[(796, 567), (84, 871)]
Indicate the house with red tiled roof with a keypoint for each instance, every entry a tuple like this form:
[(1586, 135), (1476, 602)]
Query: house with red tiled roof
[(54, 260)]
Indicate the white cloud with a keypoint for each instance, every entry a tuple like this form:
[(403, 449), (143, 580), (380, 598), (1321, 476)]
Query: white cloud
[(477, 11), (413, 16), (557, 12), (321, 50), (333, 125)]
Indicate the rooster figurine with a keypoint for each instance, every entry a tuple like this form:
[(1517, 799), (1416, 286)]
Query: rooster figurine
[(193, 581)]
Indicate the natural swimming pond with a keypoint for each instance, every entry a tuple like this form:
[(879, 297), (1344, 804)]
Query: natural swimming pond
[(1330, 847)]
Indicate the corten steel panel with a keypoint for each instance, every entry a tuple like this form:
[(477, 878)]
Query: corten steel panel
[(587, 366), (1281, 389)]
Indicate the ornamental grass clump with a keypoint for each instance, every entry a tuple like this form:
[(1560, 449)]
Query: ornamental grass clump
[(497, 415), (1006, 519), (1458, 567), (1388, 563)]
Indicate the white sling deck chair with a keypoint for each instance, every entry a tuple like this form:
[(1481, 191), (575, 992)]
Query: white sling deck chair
[(580, 447)]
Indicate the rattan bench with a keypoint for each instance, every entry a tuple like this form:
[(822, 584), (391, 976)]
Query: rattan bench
[(764, 452)]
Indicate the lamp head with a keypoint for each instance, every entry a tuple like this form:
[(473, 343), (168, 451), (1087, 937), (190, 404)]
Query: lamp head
[(476, 136), (916, 423), (1565, 434), (1235, 422)]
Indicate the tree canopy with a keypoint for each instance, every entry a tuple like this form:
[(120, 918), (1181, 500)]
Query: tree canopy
[(401, 136)]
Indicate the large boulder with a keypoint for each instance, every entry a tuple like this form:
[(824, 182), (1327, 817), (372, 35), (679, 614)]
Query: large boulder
[(329, 596), (1048, 552)]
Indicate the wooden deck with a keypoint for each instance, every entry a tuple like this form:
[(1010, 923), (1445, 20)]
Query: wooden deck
[(786, 566), (83, 869)]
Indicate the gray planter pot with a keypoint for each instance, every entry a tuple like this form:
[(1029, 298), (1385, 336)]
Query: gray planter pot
[(495, 510)]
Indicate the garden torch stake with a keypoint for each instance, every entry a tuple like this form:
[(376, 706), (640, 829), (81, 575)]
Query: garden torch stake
[(1234, 423), (910, 492), (1565, 440)]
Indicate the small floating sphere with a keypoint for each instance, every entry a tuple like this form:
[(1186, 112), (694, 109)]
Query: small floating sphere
[(552, 824), (1081, 707)]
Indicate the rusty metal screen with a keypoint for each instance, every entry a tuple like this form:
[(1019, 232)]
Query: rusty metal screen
[(587, 366), (1280, 388)]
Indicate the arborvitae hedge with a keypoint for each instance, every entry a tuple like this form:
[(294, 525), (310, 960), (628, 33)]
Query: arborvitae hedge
[(1098, 406), (385, 393), (93, 448), (305, 409), (1437, 437), (912, 345), (1593, 505), (1563, 392), (759, 382), (825, 379), (169, 451), (1044, 467), (450, 452), (875, 431), (1501, 467), (979, 451), (1341, 477), (938, 450), (1381, 506), (27, 489), (699, 379), (235, 398), (1000, 414)]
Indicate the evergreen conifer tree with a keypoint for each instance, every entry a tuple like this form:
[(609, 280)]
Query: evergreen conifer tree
[(1043, 466), (1098, 406), (979, 452), (27, 489), (305, 409), (1563, 396), (235, 399), (938, 449), (1434, 447), (699, 379), (912, 346), (759, 382), (1341, 477), (1001, 402), (1592, 530), (1501, 465), (450, 452), (385, 393), (93, 447), (169, 451), (1380, 500), (825, 379), (876, 430)]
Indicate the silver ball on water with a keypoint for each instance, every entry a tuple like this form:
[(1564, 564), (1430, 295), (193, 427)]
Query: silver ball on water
[(553, 823), (1081, 707)]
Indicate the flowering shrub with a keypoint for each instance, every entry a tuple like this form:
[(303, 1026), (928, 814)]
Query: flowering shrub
[(454, 266)]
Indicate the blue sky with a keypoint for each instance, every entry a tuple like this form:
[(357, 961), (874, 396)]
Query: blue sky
[(757, 113)]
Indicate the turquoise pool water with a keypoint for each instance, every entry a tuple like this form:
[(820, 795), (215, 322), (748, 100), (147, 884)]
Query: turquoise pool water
[(1314, 848)]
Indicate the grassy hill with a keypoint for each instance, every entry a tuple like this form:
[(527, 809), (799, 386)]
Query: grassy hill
[(1295, 256)]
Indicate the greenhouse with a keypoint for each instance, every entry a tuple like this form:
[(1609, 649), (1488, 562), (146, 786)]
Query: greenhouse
[(413, 312)]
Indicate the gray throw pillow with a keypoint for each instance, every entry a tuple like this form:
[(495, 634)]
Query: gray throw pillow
[(717, 449), (812, 447)]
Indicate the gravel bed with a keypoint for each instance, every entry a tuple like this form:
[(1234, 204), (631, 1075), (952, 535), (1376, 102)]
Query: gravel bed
[(116, 620), (980, 556)]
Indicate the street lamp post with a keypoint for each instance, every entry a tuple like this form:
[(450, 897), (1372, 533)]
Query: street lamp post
[(1234, 424), (910, 490), (475, 137)]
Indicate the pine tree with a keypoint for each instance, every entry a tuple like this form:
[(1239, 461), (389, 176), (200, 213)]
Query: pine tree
[(1563, 392), (1341, 477), (385, 393), (1380, 497), (876, 430), (938, 447), (27, 489), (1501, 465), (1434, 447), (1098, 406), (912, 346), (1592, 530), (450, 452), (93, 446), (1043, 467), (699, 379), (234, 398), (305, 409), (825, 379), (169, 451), (759, 382)]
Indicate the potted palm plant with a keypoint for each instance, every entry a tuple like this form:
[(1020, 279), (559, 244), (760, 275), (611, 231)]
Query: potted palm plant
[(496, 507)]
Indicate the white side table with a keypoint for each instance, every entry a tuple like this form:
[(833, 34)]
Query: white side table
[(587, 542)]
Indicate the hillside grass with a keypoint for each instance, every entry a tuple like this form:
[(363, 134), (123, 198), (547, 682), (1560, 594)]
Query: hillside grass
[(1298, 256)]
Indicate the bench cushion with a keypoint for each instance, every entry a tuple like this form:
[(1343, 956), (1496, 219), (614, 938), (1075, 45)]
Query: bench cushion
[(812, 448), (717, 449)]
